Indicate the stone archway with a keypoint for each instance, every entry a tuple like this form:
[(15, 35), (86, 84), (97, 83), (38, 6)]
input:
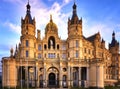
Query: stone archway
[(53, 77)]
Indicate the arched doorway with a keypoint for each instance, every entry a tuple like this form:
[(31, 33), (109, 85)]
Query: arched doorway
[(52, 79)]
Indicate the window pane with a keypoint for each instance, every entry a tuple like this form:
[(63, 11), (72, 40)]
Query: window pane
[(39, 56), (39, 47), (27, 43), (27, 53), (77, 44), (77, 54), (51, 55), (63, 55)]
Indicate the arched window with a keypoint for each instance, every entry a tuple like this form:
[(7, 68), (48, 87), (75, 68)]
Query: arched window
[(51, 42)]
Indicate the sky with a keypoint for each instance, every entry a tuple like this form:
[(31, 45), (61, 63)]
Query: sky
[(98, 16)]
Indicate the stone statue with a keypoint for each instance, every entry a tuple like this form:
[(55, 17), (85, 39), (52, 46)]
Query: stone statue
[(51, 43)]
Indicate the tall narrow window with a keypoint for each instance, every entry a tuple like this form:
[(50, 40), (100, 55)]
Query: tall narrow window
[(39, 47), (27, 43), (45, 46), (77, 44), (58, 46), (39, 56), (27, 53), (77, 54)]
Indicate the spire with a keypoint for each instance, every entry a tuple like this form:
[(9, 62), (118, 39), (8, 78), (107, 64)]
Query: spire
[(28, 17), (74, 9), (113, 35), (28, 7), (51, 18), (74, 15), (114, 41)]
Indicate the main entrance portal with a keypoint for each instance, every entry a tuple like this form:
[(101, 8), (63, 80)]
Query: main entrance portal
[(52, 79)]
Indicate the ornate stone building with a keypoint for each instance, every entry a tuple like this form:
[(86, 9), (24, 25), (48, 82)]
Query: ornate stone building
[(53, 62)]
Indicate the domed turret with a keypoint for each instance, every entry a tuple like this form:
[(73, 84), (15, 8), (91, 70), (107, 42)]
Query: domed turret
[(51, 27)]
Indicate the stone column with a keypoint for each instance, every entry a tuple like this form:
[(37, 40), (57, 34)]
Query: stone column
[(60, 75), (96, 77), (80, 76), (87, 82), (100, 76), (44, 76), (72, 76), (38, 77), (69, 76)]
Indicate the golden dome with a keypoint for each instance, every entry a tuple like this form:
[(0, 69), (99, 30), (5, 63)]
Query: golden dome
[(51, 26)]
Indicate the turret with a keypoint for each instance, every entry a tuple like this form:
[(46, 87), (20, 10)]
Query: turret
[(38, 34), (28, 24), (28, 35), (74, 24), (103, 43), (114, 45), (75, 35)]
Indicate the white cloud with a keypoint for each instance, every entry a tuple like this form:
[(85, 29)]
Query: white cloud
[(13, 27), (66, 1), (42, 16)]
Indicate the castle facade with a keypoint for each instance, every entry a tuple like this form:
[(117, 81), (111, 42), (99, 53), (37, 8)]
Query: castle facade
[(78, 61)]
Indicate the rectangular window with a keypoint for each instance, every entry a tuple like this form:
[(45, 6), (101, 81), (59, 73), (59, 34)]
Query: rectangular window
[(39, 56), (27, 43), (64, 56), (77, 54), (51, 55), (27, 53), (63, 47), (39, 47), (77, 43)]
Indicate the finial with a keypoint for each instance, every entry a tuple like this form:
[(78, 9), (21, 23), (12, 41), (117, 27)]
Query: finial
[(50, 18), (11, 52), (113, 33), (74, 6), (28, 7)]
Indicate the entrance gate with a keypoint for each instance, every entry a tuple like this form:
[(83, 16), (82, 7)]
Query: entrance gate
[(52, 79)]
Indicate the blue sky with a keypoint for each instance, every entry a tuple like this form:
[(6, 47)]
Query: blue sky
[(97, 15)]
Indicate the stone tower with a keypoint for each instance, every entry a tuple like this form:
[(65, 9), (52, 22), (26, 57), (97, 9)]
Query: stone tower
[(75, 35), (27, 35)]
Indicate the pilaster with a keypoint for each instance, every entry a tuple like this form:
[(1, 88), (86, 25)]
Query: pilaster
[(80, 76)]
